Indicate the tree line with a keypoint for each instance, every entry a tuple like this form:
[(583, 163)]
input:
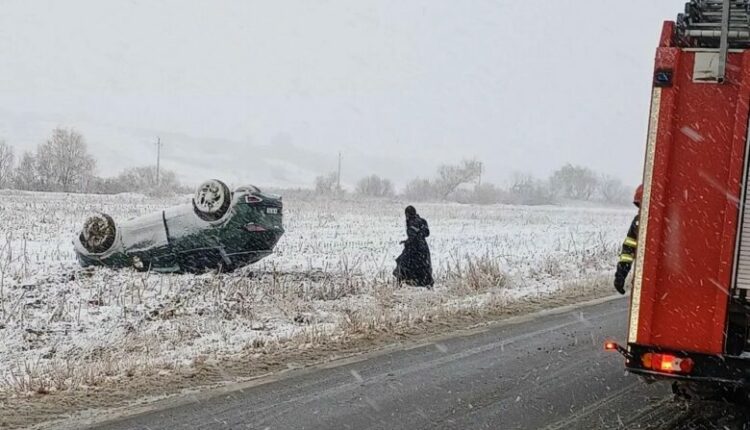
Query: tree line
[(63, 164), (462, 183)]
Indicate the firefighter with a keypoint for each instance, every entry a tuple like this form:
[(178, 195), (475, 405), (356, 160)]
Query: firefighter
[(629, 246)]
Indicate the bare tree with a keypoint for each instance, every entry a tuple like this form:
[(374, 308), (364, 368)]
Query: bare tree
[(612, 190), (44, 169), (140, 180), (450, 177), (487, 194), (7, 158), (374, 186), (143, 180), (63, 162), (421, 190), (99, 185), (574, 182), (25, 174), (326, 184), (527, 190)]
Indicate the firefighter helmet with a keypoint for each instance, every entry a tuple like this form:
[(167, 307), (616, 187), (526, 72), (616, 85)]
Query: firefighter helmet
[(638, 195)]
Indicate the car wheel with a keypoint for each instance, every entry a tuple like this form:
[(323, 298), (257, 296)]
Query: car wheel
[(212, 199), (98, 233)]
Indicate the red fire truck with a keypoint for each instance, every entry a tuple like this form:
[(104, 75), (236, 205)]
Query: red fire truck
[(689, 309)]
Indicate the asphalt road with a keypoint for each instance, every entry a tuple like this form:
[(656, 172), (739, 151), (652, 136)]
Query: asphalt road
[(545, 372)]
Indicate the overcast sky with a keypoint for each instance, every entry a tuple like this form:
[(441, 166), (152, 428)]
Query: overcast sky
[(268, 92)]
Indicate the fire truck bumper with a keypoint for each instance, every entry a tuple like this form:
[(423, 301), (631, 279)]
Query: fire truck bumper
[(655, 363)]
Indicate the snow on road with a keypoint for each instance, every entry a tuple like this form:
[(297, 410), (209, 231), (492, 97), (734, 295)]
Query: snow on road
[(64, 328)]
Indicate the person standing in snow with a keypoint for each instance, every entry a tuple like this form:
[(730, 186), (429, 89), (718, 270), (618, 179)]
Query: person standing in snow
[(414, 265), (629, 246)]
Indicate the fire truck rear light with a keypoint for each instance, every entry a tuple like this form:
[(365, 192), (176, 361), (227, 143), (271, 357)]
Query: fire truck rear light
[(610, 346), (647, 360), (667, 363), (686, 366)]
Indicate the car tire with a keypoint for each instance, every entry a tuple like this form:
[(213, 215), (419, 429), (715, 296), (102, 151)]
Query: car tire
[(98, 234), (212, 199)]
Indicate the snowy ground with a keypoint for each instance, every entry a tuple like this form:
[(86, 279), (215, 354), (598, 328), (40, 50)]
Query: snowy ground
[(63, 328)]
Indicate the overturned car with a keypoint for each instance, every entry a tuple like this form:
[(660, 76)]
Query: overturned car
[(220, 230)]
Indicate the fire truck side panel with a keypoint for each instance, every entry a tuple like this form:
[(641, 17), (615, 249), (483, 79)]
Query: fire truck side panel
[(697, 155)]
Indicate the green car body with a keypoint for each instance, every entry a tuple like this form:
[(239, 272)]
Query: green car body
[(182, 239)]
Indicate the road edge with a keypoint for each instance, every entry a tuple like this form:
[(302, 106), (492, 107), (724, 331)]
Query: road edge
[(147, 405)]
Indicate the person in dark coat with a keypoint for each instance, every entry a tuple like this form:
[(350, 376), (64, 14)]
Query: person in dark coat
[(414, 266)]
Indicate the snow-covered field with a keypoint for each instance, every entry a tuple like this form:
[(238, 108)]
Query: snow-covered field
[(66, 328)]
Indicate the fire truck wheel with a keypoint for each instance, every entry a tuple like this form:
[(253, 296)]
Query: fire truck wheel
[(693, 392), (738, 396)]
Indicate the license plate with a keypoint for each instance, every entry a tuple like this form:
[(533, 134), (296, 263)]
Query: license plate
[(272, 211)]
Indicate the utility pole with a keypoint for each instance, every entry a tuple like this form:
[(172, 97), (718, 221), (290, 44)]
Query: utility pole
[(158, 158), (338, 175)]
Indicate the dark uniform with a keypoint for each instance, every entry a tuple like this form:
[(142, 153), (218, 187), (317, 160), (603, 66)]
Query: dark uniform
[(627, 256), (414, 265), (629, 247)]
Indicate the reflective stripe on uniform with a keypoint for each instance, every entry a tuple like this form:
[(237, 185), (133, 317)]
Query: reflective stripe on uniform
[(630, 242), (626, 258)]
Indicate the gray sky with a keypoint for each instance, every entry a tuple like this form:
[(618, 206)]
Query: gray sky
[(268, 92)]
